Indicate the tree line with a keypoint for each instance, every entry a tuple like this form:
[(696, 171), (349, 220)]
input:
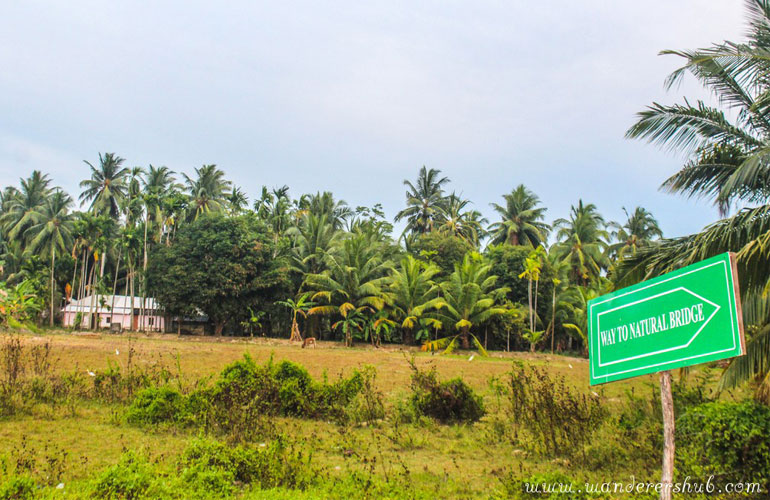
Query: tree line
[(313, 264)]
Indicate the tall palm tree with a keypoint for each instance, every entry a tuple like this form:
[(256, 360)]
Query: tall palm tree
[(728, 163), (582, 240), (423, 201), (640, 229), (469, 298), (106, 189), (312, 238), (21, 205), (237, 200), (410, 292), (522, 219), (455, 218), (336, 211), (208, 190), (51, 232)]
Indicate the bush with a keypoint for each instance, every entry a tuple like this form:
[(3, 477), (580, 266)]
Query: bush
[(729, 440), (131, 478), (155, 405), (17, 488), (557, 419), (216, 467), (451, 401)]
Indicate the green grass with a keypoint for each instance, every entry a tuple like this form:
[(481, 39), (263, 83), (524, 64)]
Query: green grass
[(401, 461)]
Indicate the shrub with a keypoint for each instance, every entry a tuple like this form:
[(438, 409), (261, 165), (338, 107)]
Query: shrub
[(556, 418), (154, 405), (212, 464), (729, 440), (450, 401), (132, 477), (17, 488)]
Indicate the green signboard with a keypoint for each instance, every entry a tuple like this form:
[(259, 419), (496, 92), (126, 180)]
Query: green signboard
[(686, 317)]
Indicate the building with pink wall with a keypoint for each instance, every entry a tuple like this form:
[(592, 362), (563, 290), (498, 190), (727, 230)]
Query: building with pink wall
[(108, 309)]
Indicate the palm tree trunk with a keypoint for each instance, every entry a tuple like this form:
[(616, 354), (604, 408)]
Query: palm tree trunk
[(74, 273), (529, 300), (83, 276), (115, 286), (464, 338), (91, 306), (553, 317), (53, 263)]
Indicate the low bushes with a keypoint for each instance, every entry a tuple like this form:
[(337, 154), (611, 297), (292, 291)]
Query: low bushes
[(450, 401), (553, 418), (729, 440), (245, 392)]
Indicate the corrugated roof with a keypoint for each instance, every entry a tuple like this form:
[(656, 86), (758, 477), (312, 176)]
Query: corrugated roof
[(103, 303)]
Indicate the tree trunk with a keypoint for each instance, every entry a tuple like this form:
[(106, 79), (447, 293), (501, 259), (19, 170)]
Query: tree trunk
[(218, 327), (74, 275), (465, 340), (408, 337), (91, 324), (529, 300), (53, 264), (115, 287), (667, 405), (131, 272), (553, 317)]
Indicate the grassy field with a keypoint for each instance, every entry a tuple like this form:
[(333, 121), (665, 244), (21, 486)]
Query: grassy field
[(73, 443)]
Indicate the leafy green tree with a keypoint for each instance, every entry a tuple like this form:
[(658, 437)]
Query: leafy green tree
[(522, 219), (51, 233), (423, 201), (106, 189), (456, 219), (582, 240), (219, 265), (441, 248), (469, 298), (508, 262), (409, 294)]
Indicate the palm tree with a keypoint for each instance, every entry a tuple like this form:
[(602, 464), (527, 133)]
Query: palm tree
[(21, 205), (522, 219), (236, 200), (728, 163), (354, 280), (582, 240), (336, 211), (106, 189), (410, 292), (208, 190), (299, 306), (469, 297), (640, 229), (455, 219), (312, 238), (423, 201), (51, 232)]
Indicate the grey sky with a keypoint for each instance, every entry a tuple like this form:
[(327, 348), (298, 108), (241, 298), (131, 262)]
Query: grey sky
[(354, 97)]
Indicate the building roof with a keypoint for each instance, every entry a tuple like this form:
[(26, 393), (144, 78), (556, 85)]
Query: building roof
[(103, 303)]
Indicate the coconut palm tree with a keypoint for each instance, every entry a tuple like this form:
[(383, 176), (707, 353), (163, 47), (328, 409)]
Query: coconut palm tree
[(522, 219), (237, 200), (640, 229), (21, 205), (582, 240), (410, 292), (469, 298), (354, 280), (423, 201), (107, 188), (312, 238), (208, 190), (337, 212), (51, 232), (455, 218), (729, 148)]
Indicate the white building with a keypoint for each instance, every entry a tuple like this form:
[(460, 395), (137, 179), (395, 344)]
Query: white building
[(108, 309)]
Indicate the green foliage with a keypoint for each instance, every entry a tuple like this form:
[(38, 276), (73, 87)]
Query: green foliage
[(18, 488), (133, 477), (552, 418), (449, 401), (729, 440), (220, 266), (442, 249), (154, 405)]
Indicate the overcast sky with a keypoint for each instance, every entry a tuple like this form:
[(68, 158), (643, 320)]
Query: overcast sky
[(354, 97)]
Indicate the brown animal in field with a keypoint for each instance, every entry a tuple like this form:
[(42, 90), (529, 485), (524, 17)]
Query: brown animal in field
[(308, 341)]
